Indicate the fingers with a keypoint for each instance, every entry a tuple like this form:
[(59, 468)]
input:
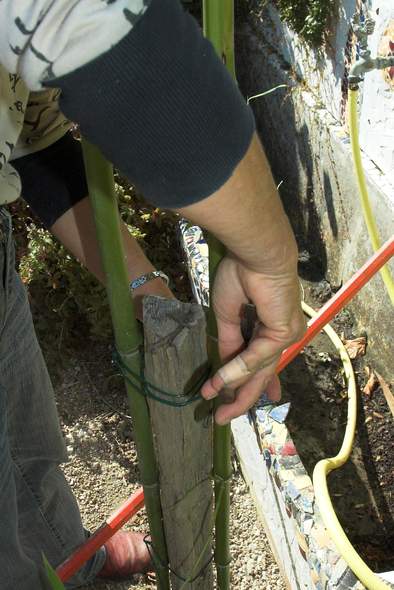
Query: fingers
[(248, 395), (250, 373), (262, 352), (250, 370), (273, 389), (227, 395), (230, 343)]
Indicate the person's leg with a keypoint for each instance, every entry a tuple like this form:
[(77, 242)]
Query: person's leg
[(17, 570), (47, 515)]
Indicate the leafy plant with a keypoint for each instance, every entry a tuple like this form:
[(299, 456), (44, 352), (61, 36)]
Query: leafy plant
[(53, 578), (309, 18)]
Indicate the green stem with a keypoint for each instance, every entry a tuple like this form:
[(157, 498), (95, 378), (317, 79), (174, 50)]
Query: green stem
[(218, 17), (222, 469), (219, 29), (128, 337)]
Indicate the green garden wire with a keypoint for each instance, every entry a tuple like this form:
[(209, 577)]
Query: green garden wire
[(147, 389)]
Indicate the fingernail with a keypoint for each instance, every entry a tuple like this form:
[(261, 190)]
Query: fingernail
[(223, 422), (210, 396)]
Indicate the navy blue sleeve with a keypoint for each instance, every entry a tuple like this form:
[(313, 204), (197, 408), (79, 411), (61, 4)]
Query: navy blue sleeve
[(162, 107), (53, 179)]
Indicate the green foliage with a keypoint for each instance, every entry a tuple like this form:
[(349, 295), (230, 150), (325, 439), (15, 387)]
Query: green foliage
[(54, 581), (309, 18)]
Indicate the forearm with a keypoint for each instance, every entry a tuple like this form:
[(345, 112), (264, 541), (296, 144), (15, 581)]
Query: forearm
[(76, 230), (247, 215)]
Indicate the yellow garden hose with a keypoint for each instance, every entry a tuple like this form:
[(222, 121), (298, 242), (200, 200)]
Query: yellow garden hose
[(366, 205), (325, 466)]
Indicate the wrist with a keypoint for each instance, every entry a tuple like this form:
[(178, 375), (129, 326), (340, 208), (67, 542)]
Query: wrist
[(272, 253)]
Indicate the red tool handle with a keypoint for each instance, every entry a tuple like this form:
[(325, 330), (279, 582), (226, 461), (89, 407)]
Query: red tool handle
[(336, 303), (117, 519)]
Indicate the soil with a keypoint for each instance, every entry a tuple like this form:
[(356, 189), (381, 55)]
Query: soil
[(362, 490)]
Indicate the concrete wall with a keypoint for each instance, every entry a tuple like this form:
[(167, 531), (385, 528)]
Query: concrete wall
[(303, 128), (377, 109)]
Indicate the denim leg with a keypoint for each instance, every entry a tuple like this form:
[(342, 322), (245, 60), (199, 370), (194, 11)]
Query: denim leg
[(17, 570), (46, 518)]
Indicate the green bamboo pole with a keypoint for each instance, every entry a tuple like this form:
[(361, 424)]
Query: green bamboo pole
[(222, 469), (128, 338), (218, 18)]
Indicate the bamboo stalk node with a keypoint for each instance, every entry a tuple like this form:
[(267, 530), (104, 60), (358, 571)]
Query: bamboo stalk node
[(189, 579), (222, 480)]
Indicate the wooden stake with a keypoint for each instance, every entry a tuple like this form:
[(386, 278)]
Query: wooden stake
[(175, 360)]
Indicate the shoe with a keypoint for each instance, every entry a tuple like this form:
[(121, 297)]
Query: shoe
[(127, 554)]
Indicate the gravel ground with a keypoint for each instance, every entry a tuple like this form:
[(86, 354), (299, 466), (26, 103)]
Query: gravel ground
[(103, 470)]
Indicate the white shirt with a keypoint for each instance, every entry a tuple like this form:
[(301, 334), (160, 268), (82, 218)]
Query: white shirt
[(42, 40)]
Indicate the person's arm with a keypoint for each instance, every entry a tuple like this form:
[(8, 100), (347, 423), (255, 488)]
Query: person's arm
[(54, 185), (151, 92), (246, 214), (77, 232)]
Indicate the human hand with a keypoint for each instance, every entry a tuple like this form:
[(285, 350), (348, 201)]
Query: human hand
[(251, 370)]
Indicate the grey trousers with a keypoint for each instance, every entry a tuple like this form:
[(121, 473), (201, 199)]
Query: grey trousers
[(38, 512)]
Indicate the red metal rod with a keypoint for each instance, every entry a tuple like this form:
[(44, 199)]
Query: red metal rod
[(117, 519), (340, 299)]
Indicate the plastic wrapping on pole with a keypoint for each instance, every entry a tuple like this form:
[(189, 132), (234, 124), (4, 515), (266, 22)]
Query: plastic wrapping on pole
[(123, 514)]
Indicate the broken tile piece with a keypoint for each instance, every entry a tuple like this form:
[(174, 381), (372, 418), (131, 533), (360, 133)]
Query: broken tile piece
[(320, 534), (279, 414), (303, 481), (314, 577), (307, 504), (261, 415), (342, 577), (286, 475), (292, 491), (307, 526), (267, 458), (279, 434), (333, 557), (302, 542), (289, 462), (288, 449)]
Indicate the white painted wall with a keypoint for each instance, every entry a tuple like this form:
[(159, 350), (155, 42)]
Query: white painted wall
[(323, 72), (377, 109)]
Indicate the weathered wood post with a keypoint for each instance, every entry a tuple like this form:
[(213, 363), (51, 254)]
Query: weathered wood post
[(176, 362)]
